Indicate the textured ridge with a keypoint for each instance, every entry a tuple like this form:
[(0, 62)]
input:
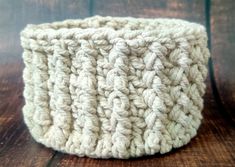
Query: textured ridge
[(114, 87)]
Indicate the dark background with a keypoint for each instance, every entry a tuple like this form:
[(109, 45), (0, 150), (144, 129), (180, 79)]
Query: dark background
[(215, 143)]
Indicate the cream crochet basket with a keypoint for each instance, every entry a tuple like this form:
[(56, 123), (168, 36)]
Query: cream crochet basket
[(117, 87)]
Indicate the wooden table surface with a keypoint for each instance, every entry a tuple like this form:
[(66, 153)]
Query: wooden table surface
[(215, 143)]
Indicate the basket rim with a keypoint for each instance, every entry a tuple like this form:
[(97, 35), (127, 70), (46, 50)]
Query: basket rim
[(113, 25)]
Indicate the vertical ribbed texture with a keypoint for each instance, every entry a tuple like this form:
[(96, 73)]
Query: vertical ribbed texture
[(87, 95), (119, 99), (28, 108), (114, 87), (41, 116), (60, 130)]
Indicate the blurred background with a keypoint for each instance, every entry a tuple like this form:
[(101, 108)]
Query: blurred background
[(215, 143)]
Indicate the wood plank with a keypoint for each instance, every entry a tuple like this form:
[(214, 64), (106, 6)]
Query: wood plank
[(223, 43), (192, 10), (17, 148), (16, 14)]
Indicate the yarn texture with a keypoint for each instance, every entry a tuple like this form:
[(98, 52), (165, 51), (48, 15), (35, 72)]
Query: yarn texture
[(116, 87)]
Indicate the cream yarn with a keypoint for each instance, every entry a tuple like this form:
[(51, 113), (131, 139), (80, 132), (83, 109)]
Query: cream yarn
[(114, 87)]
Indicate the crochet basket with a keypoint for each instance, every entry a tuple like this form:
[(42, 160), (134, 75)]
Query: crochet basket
[(116, 87)]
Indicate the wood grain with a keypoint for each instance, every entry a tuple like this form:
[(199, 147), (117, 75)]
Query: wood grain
[(16, 14), (192, 10), (223, 44), (213, 146)]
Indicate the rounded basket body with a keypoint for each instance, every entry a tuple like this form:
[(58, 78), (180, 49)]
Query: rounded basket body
[(114, 87)]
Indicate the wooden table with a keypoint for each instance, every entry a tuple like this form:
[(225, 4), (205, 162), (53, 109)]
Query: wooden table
[(215, 143)]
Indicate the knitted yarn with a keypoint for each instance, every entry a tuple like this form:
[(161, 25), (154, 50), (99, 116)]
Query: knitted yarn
[(114, 87)]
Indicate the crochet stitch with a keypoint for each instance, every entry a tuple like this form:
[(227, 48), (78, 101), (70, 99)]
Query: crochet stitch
[(114, 87)]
